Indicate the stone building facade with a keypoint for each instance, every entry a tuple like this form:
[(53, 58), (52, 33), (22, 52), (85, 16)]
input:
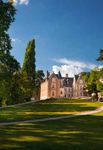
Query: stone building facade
[(56, 86)]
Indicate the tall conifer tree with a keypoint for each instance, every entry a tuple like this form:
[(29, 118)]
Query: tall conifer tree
[(29, 67)]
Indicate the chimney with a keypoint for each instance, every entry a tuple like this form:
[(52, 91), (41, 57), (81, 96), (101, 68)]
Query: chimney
[(66, 75), (59, 74)]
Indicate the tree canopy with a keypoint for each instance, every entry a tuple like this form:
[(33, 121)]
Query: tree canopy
[(7, 13), (92, 79), (8, 64)]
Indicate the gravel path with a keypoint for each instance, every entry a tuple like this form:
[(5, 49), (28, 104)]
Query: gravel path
[(55, 118)]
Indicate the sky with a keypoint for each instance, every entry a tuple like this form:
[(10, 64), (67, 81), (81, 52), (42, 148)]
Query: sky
[(68, 33)]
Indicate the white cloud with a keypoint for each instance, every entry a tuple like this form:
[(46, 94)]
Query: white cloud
[(15, 40), (20, 2), (26, 2), (66, 69), (75, 63), (71, 66)]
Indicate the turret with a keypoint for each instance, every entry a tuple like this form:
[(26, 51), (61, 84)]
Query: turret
[(47, 74)]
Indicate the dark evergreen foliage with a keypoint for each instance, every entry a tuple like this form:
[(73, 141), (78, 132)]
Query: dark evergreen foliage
[(29, 70), (39, 78), (29, 62)]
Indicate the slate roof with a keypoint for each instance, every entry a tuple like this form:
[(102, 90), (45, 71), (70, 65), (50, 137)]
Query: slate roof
[(67, 82)]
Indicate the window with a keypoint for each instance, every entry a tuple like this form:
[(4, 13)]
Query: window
[(53, 80), (81, 89), (61, 92), (81, 94), (53, 93), (53, 86)]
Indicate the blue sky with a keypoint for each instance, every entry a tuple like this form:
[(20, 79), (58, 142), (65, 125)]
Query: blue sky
[(68, 33)]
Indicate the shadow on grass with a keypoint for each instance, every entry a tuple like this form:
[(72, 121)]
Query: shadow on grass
[(83, 133), (38, 111)]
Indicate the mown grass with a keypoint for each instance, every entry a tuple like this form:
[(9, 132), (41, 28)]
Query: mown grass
[(81, 133), (45, 109)]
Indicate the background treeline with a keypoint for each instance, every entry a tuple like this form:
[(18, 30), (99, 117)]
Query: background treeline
[(17, 84), (94, 78)]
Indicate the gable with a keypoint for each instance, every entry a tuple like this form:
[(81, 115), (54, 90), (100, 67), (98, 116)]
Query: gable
[(53, 76)]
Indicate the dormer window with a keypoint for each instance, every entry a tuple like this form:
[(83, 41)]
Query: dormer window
[(53, 80), (53, 86), (53, 94)]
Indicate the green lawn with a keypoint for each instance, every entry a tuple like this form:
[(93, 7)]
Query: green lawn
[(82, 133), (46, 109)]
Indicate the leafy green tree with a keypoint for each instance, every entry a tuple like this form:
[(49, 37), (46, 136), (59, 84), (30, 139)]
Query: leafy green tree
[(7, 13), (28, 70), (8, 64), (99, 84), (85, 76), (7, 70), (16, 89), (92, 79)]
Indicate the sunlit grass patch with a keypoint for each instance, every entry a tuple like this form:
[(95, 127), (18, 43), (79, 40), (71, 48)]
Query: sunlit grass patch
[(45, 109), (82, 133)]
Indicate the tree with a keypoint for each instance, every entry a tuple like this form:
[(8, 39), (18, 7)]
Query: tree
[(7, 13), (99, 83), (8, 64), (39, 78), (85, 76), (28, 69), (7, 70), (100, 58), (15, 89), (91, 81)]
